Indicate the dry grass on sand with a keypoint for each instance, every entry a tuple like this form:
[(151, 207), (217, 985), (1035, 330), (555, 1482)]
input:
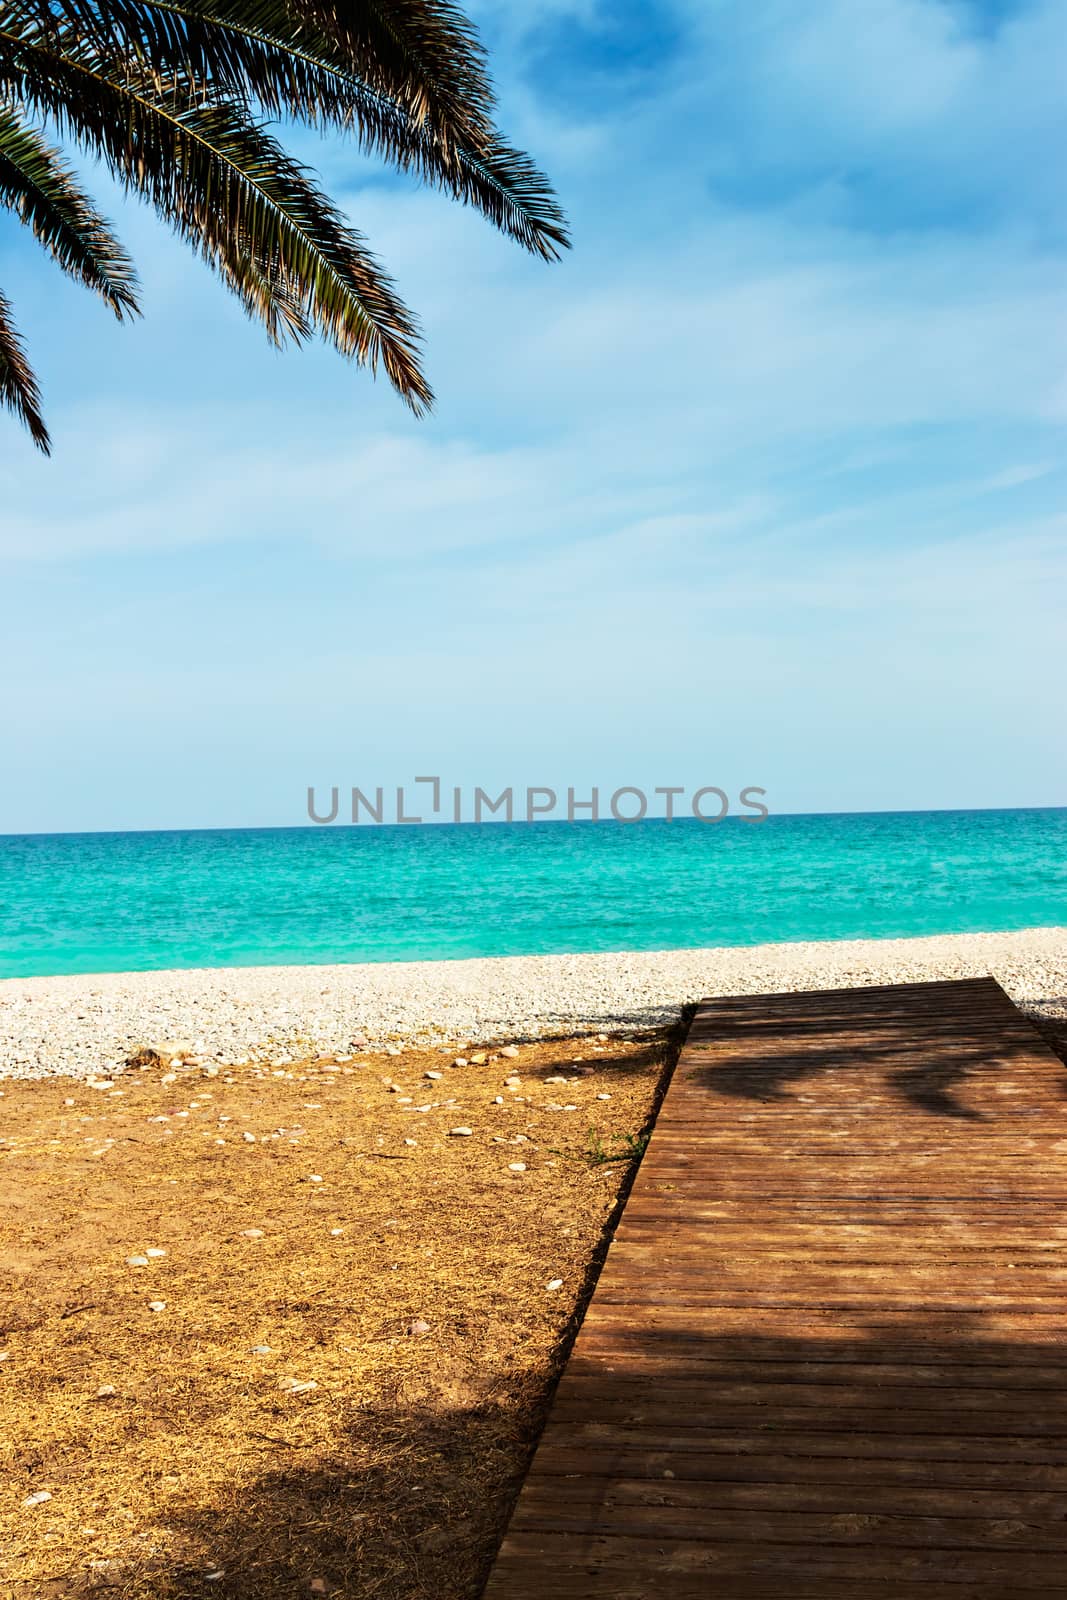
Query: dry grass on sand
[(356, 1341)]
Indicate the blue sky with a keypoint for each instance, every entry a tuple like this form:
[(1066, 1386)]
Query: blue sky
[(764, 484)]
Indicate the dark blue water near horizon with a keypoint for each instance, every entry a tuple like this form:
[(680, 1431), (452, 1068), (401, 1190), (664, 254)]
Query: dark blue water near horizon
[(107, 902)]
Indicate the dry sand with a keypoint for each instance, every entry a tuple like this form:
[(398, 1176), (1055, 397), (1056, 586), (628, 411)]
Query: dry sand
[(282, 1333)]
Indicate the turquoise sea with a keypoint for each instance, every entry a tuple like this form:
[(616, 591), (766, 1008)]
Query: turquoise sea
[(105, 902)]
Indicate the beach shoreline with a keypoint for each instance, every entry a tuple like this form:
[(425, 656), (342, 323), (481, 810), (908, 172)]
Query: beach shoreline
[(86, 1025)]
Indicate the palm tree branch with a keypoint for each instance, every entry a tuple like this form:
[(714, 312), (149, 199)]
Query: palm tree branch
[(266, 53), (422, 54), (503, 183), (36, 184), (229, 187), (18, 386), (436, 67)]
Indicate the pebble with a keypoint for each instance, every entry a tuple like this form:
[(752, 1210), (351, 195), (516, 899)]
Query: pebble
[(479, 1000), (249, 1138), (154, 1253), (554, 1283), (315, 1177), (137, 1261), (603, 1097), (460, 1061), (434, 1075), (417, 1326), (412, 1142), (510, 1051), (105, 1391), (261, 1350), (516, 1166), (37, 1499), (460, 1133), (157, 1305), (297, 1385), (251, 1233)]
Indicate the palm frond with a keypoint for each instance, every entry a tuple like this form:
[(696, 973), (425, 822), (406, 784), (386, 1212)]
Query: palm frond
[(271, 55), (18, 386), (508, 188), (425, 54), (422, 54), (35, 183), (230, 189), (172, 94)]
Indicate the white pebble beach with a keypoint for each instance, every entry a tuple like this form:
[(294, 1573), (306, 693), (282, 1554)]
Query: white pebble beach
[(81, 1026)]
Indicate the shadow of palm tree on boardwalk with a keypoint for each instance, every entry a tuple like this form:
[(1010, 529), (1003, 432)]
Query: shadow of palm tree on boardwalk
[(924, 1058)]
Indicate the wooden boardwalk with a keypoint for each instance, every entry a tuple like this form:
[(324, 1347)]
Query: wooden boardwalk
[(827, 1353)]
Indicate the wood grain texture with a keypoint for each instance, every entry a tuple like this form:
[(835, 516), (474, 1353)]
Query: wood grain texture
[(826, 1357)]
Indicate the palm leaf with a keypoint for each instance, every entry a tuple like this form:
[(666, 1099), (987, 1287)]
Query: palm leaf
[(18, 386), (230, 189), (267, 54), (35, 183), (424, 55), (171, 96)]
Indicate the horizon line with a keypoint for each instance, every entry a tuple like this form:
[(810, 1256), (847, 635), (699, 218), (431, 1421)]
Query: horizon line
[(490, 822)]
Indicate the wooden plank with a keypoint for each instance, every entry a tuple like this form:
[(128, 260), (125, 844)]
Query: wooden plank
[(700, 1517), (827, 1352), (922, 1478), (604, 1558)]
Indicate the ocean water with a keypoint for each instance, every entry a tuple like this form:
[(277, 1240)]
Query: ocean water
[(110, 902)]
